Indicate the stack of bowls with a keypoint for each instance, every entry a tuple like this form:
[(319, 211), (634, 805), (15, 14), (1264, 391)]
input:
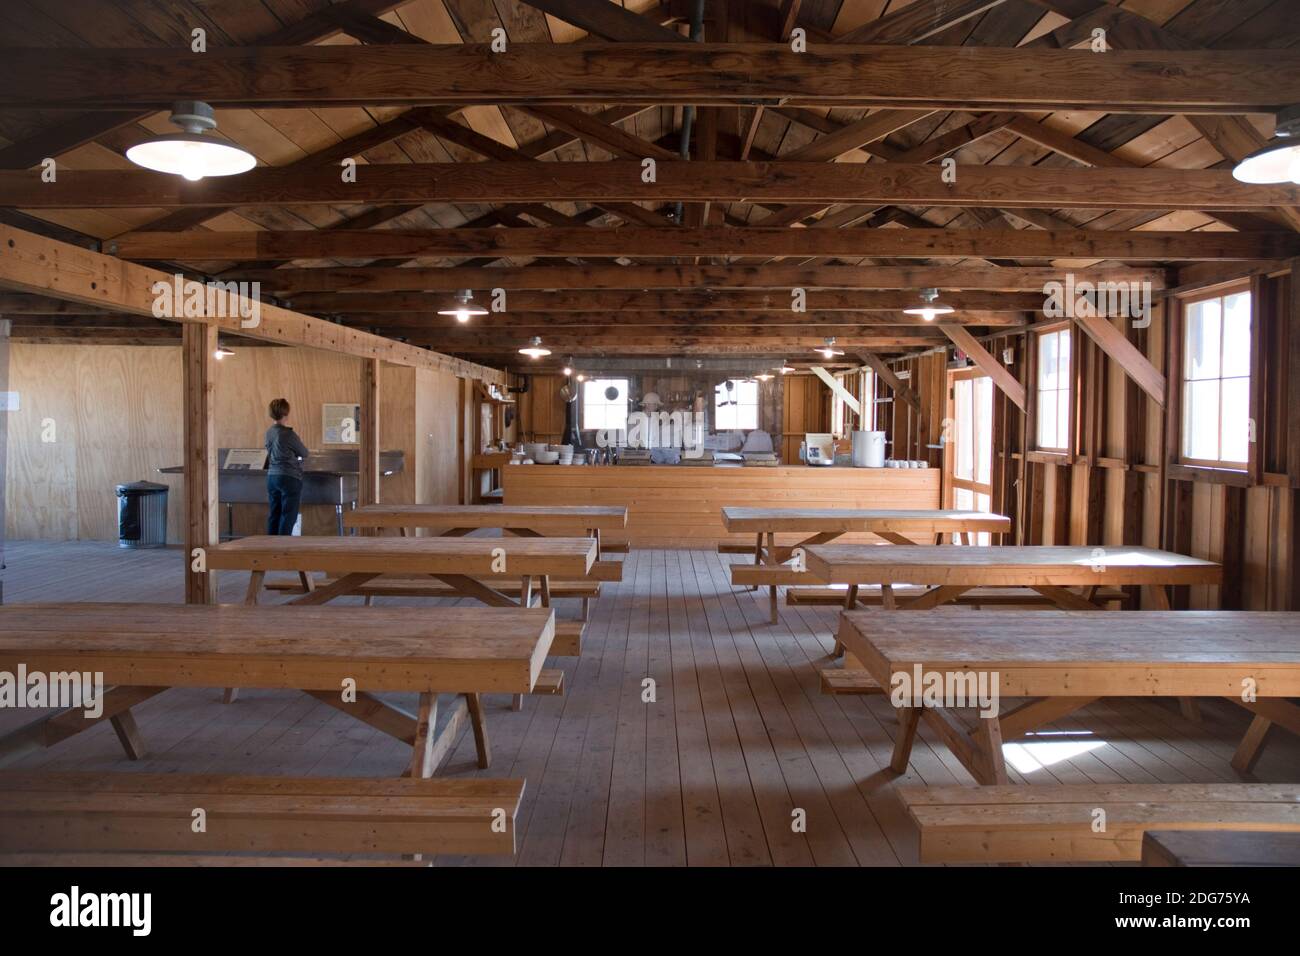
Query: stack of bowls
[(546, 457), (566, 454)]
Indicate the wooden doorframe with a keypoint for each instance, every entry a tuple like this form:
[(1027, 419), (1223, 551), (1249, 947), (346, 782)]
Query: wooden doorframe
[(950, 480)]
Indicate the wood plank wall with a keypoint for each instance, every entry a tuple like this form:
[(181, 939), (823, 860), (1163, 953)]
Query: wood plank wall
[(115, 414), (1121, 486)]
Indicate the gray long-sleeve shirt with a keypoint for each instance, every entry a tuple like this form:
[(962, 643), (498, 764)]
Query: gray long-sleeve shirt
[(285, 451)]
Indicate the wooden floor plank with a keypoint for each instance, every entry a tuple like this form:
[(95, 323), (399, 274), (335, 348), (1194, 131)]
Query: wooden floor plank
[(739, 735)]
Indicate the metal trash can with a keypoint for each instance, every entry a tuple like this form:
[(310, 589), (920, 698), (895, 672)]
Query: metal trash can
[(141, 515)]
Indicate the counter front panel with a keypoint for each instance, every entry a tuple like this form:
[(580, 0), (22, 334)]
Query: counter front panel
[(679, 506)]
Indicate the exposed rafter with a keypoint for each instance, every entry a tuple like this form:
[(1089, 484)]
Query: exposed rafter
[(908, 77)]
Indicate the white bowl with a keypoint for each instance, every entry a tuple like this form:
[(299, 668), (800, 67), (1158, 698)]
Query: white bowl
[(547, 457)]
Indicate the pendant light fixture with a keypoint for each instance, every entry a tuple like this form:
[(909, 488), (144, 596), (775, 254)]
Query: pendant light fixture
[(1278, 160), (931, 307), (764, 376), (464, 306), (786, 368), (191, 153), (829, 350), (222, 352), (534, 348)]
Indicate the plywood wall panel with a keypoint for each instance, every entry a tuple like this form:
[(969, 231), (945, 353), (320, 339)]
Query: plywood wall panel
[(116, 414)]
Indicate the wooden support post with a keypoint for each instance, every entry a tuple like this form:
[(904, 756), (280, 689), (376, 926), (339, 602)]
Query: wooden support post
[(199, 345), (368, 426)]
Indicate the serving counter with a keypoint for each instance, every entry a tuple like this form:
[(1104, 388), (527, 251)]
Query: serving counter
[(679, 506)]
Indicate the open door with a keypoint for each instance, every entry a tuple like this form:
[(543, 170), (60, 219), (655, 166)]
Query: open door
[(968, 444)]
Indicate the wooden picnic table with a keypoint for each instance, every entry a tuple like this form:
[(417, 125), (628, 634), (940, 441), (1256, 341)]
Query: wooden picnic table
[(463, 564), (520, 520), (1064, 660), (1049, 570), (144, 649), (897, 526)]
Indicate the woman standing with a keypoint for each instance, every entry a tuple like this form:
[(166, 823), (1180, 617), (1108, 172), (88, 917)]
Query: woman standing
[(285, 455)]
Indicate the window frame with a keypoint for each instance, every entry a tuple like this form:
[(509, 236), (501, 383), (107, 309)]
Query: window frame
[(627, 403), (1055, 328), (757, 404), (1178, 364)]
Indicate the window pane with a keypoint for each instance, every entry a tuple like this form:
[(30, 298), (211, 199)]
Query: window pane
[(1201, 420), (1236, 415), (1047, 420), (1236, 335), (963, 499), (959, 432), (1203, 324), (601, 411), (1062, 419), (1047, 360)]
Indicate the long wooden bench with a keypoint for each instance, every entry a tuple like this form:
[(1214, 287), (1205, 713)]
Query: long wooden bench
[(426, 587), (1032, 824), (975, 597), (56, 812)]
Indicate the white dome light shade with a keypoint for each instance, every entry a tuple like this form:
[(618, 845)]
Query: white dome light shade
[(1277, 162), (931, 308), (464, 307), (829, 350), (191, 155), (535, 350), (927, 313)]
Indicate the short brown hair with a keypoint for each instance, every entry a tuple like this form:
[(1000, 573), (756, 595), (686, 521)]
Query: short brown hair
[(279, 408)]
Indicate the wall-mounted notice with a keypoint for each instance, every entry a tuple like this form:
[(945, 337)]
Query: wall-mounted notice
[(341, 424)]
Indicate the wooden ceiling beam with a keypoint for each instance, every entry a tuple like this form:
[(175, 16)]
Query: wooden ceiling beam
[(35, 264), (903, 77), (1008, 187), (709, 241), (809, 322), (621, 341), (290, 281), (685, 301)]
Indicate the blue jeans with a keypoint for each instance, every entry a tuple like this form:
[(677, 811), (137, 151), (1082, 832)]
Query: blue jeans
[(285, 494)]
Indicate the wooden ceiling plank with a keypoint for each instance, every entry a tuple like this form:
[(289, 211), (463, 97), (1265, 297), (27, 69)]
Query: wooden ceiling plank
[(917, 21), (607, 20)]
